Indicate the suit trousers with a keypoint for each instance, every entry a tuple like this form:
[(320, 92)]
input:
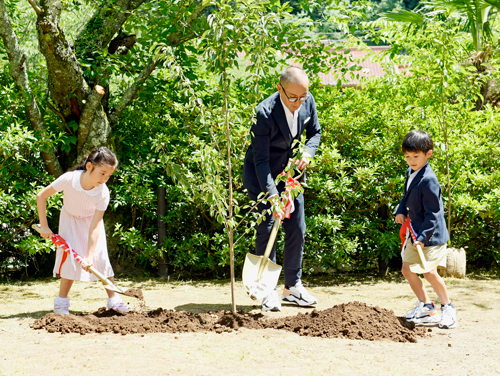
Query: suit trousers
[(295, 230)]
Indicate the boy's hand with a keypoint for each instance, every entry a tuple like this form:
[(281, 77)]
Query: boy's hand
[(418, 243), (400, 218)]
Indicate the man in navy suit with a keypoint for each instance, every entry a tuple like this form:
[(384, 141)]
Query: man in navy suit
[(423, 205), (282, 118)]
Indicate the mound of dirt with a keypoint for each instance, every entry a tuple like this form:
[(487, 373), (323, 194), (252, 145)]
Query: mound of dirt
[(352, 320)]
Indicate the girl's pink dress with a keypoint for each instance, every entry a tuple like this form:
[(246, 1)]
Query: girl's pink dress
[(74, 225)]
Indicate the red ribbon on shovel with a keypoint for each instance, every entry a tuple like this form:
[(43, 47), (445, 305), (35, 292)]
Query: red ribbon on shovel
[(290, 184), (61, 243), (403, 232)]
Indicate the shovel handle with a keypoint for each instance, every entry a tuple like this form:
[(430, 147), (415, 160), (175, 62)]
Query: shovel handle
[(272, 237), (269, 247), (423, 261)]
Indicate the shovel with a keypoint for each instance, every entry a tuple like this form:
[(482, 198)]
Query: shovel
[(260, 274), (60, 242)]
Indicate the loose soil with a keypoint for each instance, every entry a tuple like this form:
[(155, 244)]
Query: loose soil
[(353, 320), (134, 293)]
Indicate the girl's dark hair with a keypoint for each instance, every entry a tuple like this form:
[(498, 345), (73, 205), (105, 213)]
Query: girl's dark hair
[(416, 141), (101, 156)]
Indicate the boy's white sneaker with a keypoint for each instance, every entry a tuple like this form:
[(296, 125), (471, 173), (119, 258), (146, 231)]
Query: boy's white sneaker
[(298, 294), (61, 305), (410, 314), (448, 317), (117, 304), (271, 302), (425, 315)]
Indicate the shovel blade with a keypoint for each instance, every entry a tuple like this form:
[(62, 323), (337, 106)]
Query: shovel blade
[(260, 276), (424, 267), (112, 287)]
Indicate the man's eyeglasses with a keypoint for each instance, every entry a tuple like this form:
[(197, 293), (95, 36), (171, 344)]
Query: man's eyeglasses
[(294, 99)]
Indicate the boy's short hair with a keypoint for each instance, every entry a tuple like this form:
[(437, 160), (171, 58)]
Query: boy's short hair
[(416, 141)]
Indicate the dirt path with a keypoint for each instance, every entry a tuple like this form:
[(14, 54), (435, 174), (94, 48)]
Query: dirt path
[(471, 349)]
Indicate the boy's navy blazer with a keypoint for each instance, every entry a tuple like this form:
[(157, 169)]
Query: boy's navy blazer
[(271, 145), (423, 203)]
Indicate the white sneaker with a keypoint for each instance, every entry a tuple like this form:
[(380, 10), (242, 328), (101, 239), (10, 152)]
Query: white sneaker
[(448, 317), (410, 314), (298, 294), (425, 315), (61, 305), (117, 304), (271, 302)]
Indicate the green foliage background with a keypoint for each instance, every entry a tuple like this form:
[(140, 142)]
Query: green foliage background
[(173, 136)]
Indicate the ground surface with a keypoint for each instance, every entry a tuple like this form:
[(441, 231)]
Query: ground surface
[(471, 349)]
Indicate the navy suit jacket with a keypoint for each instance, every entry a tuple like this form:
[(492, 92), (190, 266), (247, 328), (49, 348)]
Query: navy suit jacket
[(423, 203), (271, 143)]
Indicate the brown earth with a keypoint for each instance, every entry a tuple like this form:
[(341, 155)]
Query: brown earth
[(352, 320), (134, 293)]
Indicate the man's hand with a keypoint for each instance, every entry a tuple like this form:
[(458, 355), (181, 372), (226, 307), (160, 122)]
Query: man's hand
[(400, 218), (278, 212), (302, 163)]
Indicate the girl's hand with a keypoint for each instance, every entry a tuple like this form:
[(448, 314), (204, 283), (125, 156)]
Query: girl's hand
[(45, 232), (87, 262), (400, 218)]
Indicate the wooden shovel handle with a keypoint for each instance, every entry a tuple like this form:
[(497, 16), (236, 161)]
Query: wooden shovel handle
[(423, 261), (269, 247)]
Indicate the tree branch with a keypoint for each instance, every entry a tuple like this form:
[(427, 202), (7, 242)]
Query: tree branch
[(18, 72), (35, 6), (104, 24), (181, 37), (130, 93)]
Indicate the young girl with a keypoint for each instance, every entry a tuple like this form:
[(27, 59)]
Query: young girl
[(86, 197)]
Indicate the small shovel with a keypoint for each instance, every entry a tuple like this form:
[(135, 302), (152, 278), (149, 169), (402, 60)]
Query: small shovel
[(60, 242), (260, 274)]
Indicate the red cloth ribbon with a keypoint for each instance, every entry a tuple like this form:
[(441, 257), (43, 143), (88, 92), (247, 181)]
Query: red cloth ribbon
[(61, 243), (290, 184), (405, 228)]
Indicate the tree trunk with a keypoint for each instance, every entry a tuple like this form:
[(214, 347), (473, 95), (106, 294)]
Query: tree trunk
[(162, 231), (383, 264)]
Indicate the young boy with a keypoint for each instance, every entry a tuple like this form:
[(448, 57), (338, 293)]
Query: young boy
[(423, 204)]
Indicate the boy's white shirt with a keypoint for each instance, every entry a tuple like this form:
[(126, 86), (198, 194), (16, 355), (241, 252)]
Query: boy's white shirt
[(411, 177)]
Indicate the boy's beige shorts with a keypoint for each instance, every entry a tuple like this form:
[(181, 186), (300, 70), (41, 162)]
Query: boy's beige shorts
[(431, 253)]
